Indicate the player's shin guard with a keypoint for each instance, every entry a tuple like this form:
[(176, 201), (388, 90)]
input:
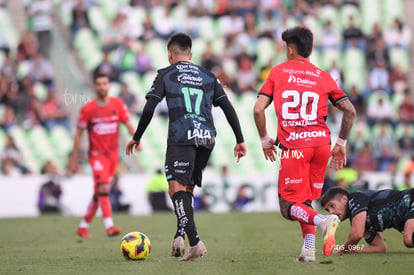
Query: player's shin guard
[(302, 213), (185, 216), (93, 206)]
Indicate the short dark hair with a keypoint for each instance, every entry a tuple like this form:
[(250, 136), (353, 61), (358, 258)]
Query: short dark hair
[(301, 37), (180, 43), (333, 193), (99, 75)]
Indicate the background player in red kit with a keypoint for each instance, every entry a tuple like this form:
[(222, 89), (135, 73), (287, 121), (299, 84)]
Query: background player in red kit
[(101, 117), (300, 92)]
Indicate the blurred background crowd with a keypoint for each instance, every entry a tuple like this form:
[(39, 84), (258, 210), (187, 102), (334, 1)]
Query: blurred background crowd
[(366, 45)]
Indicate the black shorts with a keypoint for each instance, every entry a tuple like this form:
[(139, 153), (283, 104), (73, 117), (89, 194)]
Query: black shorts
[(185, 164)]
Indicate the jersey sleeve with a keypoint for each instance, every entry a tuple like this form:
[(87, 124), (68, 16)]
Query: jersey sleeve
[(358, 202), (124, 113), (335, 94), (83, 118), (268, 87), (218, 92), (157, 89)]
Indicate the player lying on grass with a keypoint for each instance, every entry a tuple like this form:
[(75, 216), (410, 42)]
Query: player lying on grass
[(371, 212)]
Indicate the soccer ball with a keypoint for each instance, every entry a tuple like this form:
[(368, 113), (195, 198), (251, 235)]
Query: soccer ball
[(135, 246)]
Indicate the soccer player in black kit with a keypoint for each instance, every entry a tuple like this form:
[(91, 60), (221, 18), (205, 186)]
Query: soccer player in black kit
[(370, 213), (190, 91)]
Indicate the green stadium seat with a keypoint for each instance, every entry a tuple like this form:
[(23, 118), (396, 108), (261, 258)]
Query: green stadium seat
[(329, 12), (371, 12), (97, 19), (265, 51), (400, 128), (401, 57), (347, 11), (392, 9)]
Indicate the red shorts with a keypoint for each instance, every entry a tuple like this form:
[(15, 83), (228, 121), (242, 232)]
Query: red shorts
[(103, 167), (302, 173)]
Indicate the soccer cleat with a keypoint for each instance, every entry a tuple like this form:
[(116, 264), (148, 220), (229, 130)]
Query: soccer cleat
[(307, 255), (178, 247), (194, 252), (83, 233), (113, 231), (329, 229)]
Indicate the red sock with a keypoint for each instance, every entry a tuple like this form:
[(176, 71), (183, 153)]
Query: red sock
[(307, 229), (302, 213), (90, 214), (105, 205)]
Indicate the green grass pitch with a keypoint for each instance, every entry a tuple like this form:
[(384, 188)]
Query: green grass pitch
[(237, 243)]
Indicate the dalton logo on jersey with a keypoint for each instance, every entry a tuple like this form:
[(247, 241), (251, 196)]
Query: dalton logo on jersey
[(299, 80)]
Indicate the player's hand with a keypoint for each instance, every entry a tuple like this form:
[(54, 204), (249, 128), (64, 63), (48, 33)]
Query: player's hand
[(338, 155), (72, 166), (240, 150), (270, 150), (133, 145)]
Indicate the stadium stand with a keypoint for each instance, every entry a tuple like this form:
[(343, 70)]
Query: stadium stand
[(139, 21)]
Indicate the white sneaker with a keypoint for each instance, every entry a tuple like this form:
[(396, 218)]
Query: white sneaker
[(194, 252), (329, 229), (178, 247), (307, 255)]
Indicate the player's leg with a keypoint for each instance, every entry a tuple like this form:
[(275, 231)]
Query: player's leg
[(317, 175), (197, 248), (408, 235), (82, 230)]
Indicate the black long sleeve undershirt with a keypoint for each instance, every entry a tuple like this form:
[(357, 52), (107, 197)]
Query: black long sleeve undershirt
[(147, 114), (231, 117)]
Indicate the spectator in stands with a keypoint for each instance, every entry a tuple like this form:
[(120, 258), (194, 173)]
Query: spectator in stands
[(336, 73), (29, 108), (149, 29), (9, 119), (40, 69), (209, 59), (50, 192), (329, 37), (379, 110), (378, 54), (12, 158), (232, 24), (113, 36), (268, 25), (107, 68), (53, 113), (357, 143), (246, 76), (384, 139), (372, 37), (406, 141), (80, 18), (248, 39), (165, 26), (143, 60), (129, 99), (379, 78), (10, 66), (406, 108), (40, 12), (353, 35), (126, 56), (398, 80), (386, 159), (229, 82), (364, 159), (399, 35), (357, 99), (27, 46)]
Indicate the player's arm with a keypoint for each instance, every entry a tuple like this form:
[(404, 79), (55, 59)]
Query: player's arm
[(240, 149), (146, 117), (260, 120), (356, 232), (338, 152), (73, 161)]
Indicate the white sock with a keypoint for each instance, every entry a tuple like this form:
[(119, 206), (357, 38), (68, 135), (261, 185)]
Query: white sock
[(83, 224), (319, 220), (309, 241), (108, 222)]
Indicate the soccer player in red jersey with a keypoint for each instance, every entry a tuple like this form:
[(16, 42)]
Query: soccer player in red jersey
[(101, 117), (300, 92)]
